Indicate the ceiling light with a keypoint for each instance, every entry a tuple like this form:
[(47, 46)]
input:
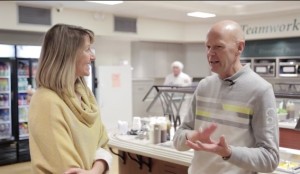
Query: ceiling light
[(107, 2), (201, 14)]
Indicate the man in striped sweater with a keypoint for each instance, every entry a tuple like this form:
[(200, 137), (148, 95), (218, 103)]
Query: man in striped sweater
[(231, 123)]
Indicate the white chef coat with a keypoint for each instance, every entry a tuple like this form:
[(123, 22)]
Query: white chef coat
[(181, 80)]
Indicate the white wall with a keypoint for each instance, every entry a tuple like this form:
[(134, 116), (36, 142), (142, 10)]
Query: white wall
[(153, 59), (196, 64), (160, 30), (111, 51), (21, 38), (195, 32), (147, 29)]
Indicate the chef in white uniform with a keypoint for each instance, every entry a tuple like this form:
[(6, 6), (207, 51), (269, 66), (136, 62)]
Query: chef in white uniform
[(178, 78)]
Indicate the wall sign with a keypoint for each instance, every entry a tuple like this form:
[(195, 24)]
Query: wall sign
[(288, 26)]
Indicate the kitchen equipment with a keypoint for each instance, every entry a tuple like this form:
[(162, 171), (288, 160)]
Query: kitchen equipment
[(245, 61), (265, 68), (289, 68)]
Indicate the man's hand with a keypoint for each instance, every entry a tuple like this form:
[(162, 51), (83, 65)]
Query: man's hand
[(201, 141)]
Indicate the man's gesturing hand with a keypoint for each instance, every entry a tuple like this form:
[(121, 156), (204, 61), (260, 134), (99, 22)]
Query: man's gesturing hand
[(200, 140)]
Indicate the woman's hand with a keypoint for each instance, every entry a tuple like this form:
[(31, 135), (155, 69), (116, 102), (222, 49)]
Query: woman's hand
[(99, 167)]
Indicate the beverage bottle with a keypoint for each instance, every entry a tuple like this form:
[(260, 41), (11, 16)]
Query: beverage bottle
[(1, 84), (27, 70), (20, 114), (2, 129), (4, 85), (20, 84), (1, 70), (6, 132), (5, 69), (163, 126), (172, 131), (1, 100), (151, 131), (156, 133), (7, 85), (2, 116), (25, 84), (290, 107), (21, 131), (6, 114), (19, 99), (5, 100)]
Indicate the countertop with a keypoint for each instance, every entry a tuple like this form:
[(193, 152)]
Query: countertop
[(287, 125), (164, 151)]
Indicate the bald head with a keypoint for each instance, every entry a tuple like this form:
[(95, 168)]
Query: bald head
[(228, 28), (225, 43)]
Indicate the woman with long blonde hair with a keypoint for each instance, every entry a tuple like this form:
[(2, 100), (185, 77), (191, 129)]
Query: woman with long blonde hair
[(66, 134)]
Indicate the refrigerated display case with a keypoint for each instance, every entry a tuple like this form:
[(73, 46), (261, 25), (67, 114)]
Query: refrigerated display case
[(7, 135), (5, 98), (27, 61)]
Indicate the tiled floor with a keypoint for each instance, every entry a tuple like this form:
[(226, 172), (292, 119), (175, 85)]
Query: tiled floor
[(24, 168)]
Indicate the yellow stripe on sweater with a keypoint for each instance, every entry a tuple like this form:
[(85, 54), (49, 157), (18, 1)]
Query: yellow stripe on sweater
[(203, 113), (238, 109)]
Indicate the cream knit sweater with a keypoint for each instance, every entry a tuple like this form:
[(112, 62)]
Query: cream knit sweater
[(64, 134)]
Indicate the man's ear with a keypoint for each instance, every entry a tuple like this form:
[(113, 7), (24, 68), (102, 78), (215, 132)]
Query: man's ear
[(241, 46)]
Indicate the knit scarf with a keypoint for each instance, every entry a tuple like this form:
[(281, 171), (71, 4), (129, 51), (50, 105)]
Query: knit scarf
[(87, 110)]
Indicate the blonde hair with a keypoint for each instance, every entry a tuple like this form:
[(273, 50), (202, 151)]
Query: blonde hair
[(57, 63)]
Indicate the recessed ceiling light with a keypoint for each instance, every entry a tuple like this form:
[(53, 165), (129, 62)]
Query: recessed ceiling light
[(199, 14), (107, 2)]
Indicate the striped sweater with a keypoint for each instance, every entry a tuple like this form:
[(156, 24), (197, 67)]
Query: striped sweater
[(245, 112)]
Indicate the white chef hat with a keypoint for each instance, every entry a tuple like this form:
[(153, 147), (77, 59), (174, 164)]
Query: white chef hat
[(177, 64)]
